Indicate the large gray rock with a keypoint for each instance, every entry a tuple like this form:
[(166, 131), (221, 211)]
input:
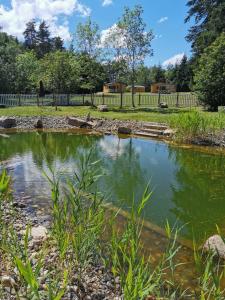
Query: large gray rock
[(215, 245), (7, 122), (103, 108), (124, 130), (80, 123)]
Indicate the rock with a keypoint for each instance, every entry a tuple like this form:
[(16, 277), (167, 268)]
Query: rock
[(103, 108), (168, 132), (8, 282), (39, 124), (163, 105), (124, 130), (7, 122), (39, 233), (77, 122), (216, 245)]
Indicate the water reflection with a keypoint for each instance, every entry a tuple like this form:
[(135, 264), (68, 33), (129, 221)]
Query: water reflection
[(188, 185)]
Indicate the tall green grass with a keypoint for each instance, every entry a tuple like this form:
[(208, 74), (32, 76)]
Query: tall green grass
[(191, 125), (78, 228)]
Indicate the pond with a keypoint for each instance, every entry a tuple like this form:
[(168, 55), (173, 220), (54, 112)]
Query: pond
[(188, 185)]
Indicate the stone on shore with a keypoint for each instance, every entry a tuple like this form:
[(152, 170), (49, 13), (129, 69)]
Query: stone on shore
[(8, 282), (39, 124), (7, 122), (39, 233), (103, 108), (215, 245), (124, 130), (80, 123)]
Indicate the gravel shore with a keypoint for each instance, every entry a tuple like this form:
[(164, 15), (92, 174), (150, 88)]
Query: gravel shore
[(91, 282)]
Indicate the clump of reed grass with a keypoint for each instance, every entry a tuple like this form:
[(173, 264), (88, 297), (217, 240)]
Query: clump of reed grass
[(195, 124)]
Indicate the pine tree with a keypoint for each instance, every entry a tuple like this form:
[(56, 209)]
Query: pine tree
[(57, 44), (30, 35), (44, 40)]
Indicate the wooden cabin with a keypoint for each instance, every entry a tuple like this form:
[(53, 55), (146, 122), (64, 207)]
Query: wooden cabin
[(163, 88), (114, 87), (137, 89)]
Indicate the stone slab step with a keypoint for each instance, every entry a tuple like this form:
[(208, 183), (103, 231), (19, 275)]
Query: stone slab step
[(153, 131), (157, 126), (146, 134)]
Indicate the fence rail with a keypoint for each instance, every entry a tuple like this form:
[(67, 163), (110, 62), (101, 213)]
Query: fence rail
[(152, 100)]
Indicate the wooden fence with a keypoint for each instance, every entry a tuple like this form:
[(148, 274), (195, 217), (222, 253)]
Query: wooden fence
[(145, 100)]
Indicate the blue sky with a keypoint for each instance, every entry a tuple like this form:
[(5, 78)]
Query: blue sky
[(164, 17)]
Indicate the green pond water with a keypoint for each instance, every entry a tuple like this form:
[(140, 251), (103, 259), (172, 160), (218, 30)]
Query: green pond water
[(188, 185)]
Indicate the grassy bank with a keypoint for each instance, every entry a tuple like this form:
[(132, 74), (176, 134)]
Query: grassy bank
[(78, 244), (189, 123)]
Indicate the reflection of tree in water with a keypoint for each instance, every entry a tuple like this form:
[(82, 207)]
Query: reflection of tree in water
[(124, 177), (46, 147), (200, 193)]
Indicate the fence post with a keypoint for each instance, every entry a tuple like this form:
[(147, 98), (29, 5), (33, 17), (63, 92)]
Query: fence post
[(177, 104), (139, 100), (37, 100), (103, 99), (159, 97), (83, 99), (68, 99), (121, 100), (19, 100)]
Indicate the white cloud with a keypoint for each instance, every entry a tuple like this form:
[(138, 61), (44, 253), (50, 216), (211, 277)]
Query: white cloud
[(163, 19), (107, 2), (13, 20), (176, 59)]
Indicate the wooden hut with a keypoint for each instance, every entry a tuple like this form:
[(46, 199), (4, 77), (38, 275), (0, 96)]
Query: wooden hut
[(114, 87), (163, 88), (137, 88)]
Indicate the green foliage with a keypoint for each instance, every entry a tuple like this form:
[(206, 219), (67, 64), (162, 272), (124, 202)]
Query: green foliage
[(181, 75), (209, 23), (210, 74), (87, 38), (59, 72), (194, 124), (27, 68)]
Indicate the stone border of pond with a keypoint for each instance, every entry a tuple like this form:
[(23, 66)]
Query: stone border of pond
[(149, 130)]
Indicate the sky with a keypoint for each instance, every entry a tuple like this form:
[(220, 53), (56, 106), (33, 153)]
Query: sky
[(164, 17)]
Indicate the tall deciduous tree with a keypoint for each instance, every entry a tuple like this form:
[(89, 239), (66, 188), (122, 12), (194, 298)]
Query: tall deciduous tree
[(137, 41), (210, 74), (87, 38), (27, 66)]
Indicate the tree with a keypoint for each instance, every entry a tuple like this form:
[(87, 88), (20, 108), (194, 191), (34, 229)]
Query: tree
[(57, 44), (209, 23), (210, 74), (91, 73), (59, 72), (30, 35), (9, 49), (181, 75), (136, 39), (87, 38), (44, 42), (157, 74), (27, 67)]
